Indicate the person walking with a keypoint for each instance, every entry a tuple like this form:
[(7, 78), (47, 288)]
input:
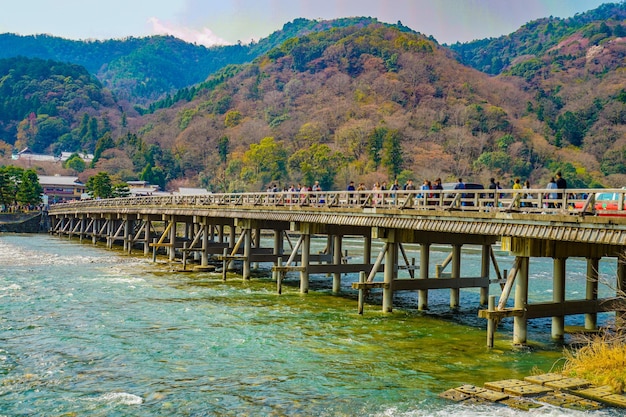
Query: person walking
[(492, 195), (460, 185), (561, 184), (551, 196), (410, 195), (351, 188), (528, 195)]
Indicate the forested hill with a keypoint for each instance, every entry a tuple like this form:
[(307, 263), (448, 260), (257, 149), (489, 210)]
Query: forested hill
[(141, 70), (365, 101), (51, 106), (539, 37), (362, 103)]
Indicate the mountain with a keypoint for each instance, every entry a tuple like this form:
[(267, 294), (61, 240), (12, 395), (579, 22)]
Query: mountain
[(370, 102), (141, 70), (575, 69), (539, 37), (360, 100), (48, 106)]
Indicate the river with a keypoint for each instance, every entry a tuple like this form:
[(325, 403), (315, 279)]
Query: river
[(86, 331)]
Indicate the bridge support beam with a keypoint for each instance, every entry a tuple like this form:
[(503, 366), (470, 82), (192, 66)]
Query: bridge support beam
[(455, 274), (390, 273), (83, 223), (367, 249), (110, 229), (422, 295), (146, 236), (484, 272), (558, 297), (520, 323), (337, 239), (304, 259), (172, 237), (591, 319), (94, 231), (247, 250), (204, 257), (127, 237), (620, 315)]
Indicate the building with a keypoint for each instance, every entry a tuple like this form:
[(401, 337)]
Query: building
[(58, 188), (192, 191)]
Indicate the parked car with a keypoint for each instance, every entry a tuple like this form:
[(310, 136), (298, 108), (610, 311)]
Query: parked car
[(607, 204)]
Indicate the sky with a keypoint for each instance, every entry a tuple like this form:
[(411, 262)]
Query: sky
[(220, 22)]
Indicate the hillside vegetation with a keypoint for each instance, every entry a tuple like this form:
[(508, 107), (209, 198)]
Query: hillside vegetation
[(50, 106), (359, 100)]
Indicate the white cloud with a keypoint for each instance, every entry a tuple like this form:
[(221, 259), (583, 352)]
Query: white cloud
[(204, 37)]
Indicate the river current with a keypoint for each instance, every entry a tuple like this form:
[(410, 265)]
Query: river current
[(86, 331)]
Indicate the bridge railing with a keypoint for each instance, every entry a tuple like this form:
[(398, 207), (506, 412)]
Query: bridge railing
[(527, 201)]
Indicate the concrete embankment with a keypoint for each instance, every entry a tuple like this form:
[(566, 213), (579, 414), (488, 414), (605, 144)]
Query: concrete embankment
[(23, 222)]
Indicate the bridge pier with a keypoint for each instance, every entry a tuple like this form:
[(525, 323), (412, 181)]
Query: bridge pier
[(422, 295), (591, 293), (520, 323), (147, 236), (620, 314), (455, 292), (558, 297), (390, 272), (337, 239), (204, 257), (484, 272), (247, 249), (94, 230)]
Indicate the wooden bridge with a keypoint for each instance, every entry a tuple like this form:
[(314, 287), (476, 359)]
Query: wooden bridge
[(528, 224)]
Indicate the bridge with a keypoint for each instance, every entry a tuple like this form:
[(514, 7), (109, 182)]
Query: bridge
[(528, 223)]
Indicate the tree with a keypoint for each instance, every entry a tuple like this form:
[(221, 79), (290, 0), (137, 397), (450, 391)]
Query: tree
[(222, 148), (75, 163), (153, 175), (29, 190), (121, 190), (375, 145), (11, 178), (6, 189), (392, 153), (265, 161), (317, 163), (104, 143), (100, 185), (232, 118), (571, 128)]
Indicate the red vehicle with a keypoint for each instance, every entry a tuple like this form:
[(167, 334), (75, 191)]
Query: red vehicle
[(607, 204)]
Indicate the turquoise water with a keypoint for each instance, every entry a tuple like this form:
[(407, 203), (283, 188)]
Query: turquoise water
[(86, 331)]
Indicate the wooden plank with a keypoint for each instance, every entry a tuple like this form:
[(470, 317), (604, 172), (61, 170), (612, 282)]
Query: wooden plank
[(369, 285), (550, 309), (340, 268), (439, 283), (288, 268)]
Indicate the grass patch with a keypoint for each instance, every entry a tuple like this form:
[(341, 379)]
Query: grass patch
[(601, 360)]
